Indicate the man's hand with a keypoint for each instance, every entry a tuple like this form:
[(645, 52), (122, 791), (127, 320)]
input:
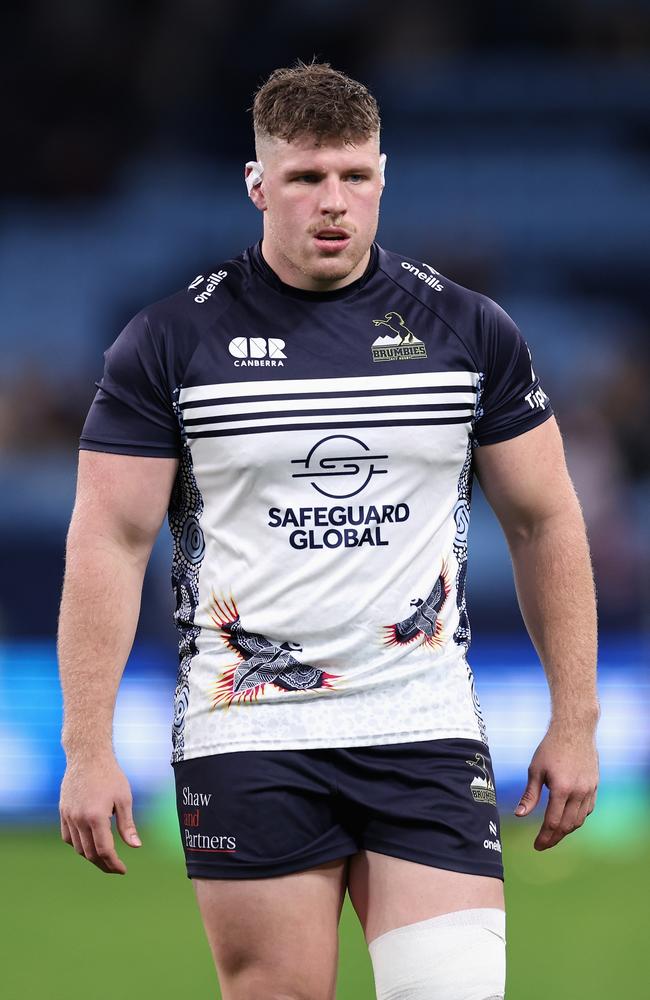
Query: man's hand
[(92, 790), (567, 762)]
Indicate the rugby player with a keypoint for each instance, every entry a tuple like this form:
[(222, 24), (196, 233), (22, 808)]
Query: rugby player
[(311, 414)]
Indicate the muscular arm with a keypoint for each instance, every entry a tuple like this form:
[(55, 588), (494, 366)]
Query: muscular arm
[(120, 504), (527, 484)]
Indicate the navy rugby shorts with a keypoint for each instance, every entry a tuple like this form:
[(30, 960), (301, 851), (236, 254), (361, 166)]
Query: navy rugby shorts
[(260, 813)]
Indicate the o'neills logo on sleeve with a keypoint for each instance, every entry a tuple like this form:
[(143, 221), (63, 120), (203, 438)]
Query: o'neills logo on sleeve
[(429, 279), (212, 281)]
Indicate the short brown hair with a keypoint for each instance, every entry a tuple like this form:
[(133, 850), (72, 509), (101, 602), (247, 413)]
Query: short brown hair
[(312, 99)]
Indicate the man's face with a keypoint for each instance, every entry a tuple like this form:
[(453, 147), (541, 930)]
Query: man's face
[(321, 205)]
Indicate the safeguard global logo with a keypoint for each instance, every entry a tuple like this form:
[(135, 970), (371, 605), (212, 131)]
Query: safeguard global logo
[(339, 467)]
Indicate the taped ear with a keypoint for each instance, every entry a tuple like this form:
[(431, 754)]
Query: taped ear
[(255, 176)]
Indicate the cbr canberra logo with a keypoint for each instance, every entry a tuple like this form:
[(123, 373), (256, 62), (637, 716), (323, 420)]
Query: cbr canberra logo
[(256, 352), (339, 467)]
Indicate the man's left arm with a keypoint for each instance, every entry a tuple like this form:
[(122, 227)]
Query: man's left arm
[(526, 482)]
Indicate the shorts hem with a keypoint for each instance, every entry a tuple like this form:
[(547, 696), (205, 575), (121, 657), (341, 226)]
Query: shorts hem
[(264, 871), (435, 861)]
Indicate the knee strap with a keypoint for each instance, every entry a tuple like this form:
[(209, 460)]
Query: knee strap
[(456, 956)]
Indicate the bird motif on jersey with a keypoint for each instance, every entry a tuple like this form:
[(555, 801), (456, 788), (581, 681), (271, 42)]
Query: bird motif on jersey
[(261, 661), (424, 623), (401, 329)]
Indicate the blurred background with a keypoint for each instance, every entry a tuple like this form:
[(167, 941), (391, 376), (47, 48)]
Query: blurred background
[(518, 144)]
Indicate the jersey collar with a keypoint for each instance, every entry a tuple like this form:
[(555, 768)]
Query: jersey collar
[(271, 278)]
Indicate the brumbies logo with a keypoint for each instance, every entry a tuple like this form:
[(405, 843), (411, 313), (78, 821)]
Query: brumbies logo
[(261, 662), (481, 787), (402, 346)]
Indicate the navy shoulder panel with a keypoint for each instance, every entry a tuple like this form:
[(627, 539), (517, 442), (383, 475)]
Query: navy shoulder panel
[(461, 309), (510, 399), (134, 409), (206, 298)]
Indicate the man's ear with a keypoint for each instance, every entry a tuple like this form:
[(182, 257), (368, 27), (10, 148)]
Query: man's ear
[(255, 193), (257, 197)]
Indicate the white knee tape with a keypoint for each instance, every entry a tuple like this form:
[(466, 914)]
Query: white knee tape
[(456, 956)]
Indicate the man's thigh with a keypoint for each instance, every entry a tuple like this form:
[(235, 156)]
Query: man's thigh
[(388, 892), (428, 832), (275, 938)]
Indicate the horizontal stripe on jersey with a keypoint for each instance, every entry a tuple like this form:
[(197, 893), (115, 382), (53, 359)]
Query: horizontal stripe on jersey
[(321, 508)]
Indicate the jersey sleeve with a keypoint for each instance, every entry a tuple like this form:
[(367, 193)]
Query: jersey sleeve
[(132, 412), (511, 399)]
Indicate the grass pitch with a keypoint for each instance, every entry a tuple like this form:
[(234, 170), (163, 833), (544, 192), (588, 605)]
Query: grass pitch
[(577, 922)]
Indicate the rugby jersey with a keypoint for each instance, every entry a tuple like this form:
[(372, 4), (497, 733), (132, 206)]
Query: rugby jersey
[(321, 508)]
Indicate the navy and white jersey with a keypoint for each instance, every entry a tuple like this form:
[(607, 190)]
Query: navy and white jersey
[(321, 508)]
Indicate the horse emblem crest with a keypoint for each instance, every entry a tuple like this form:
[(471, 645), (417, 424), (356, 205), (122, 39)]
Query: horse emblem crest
[(482, 787), (403, 345)]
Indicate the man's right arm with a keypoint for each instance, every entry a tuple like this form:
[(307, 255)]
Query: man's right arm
[(120, 505)]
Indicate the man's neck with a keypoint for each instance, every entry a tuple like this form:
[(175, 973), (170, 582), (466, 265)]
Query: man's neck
[(288, 273)]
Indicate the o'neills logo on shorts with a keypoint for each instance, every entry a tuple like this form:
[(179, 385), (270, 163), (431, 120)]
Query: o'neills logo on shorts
[(493, 845)]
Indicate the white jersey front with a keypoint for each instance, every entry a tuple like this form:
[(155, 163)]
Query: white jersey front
[(321, 508)]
